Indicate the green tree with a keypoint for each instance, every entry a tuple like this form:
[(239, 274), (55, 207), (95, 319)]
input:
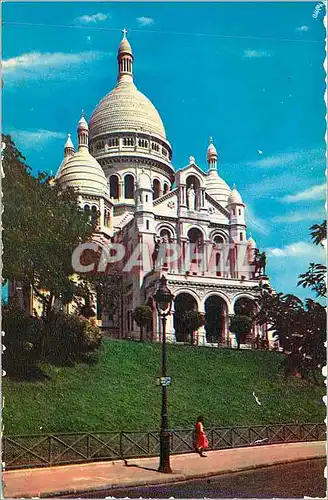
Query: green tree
[(42, 226), (301, 329), (191, 321), (240, 326), (315, 277), (142, 315)]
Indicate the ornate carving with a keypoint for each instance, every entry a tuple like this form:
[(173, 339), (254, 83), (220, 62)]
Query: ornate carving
[(211, 210), (171, 204)]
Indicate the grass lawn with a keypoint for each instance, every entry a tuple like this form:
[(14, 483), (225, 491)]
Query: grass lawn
[(120, 392)]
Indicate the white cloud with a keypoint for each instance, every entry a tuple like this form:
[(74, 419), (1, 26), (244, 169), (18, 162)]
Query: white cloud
[(299, 216), (46, 64), (276, 160), (37, 59), (302, 28), (256, 54), (35, 139), (145, 21), (315, 193), (94, 18), (310, 157), (300, 249)]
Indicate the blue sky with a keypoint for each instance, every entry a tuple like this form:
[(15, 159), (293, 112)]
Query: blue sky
[(250, 75)]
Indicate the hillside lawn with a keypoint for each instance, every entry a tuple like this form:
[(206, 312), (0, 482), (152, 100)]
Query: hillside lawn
[(120, 392)]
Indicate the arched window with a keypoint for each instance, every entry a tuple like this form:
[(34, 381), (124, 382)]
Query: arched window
[(166, 187), (113, 186), (218, 264), (156, 189), (94, 215), (218, 239), (129, 186)]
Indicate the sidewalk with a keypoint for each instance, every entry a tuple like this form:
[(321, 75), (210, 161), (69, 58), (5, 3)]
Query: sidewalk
[(68, 479)]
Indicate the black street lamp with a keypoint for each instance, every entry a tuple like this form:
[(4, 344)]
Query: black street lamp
[(163, 299)]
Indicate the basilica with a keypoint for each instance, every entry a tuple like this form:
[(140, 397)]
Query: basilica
[(122, 169)]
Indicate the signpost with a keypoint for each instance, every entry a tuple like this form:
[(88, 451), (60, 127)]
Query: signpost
[(163, 381)]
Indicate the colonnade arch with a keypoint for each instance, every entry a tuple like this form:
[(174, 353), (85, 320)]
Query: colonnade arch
[(216, 318), (183, 302)]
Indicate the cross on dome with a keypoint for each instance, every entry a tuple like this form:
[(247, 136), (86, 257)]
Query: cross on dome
[(124, 31)]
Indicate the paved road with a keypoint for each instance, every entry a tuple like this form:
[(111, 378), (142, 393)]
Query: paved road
[(283, 481)]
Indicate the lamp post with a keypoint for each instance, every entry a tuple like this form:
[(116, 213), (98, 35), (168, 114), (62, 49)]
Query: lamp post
[(163, 299)]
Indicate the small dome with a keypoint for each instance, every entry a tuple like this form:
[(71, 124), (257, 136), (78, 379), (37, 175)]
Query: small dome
[(251, 243), (69, 143), (84, 172), (125, 47), (211, 150), (144, 181), (217, 187), (82, 125), (235, 198)]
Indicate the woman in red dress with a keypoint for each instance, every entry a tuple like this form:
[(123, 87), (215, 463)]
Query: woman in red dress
[(201, 439)]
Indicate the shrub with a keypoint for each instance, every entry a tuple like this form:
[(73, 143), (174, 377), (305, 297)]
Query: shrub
[(192, 320), (23, 340), (70, 338), (240, 326), (142, 315)]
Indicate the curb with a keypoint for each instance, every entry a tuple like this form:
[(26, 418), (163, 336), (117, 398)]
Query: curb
[(179, 478)]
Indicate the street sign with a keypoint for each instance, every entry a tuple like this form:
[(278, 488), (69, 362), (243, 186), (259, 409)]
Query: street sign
[(163, 381)]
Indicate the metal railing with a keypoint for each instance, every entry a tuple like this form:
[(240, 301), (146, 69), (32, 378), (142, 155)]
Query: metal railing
[(73, 448)]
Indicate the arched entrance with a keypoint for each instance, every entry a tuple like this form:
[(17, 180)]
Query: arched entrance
[(245, 306), (216, 318), (183, 303), (196, 248)]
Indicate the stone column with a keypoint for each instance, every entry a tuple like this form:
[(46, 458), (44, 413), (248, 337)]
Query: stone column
[(182, 195), (102, 213), (231, 337), (182, 260), (201, 336), (202, 199), (120, 189), (170, 333), (225, 328)]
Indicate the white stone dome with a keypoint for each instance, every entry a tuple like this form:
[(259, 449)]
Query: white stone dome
[(125, 108), (216, 187), (235, 197), (84, 172)]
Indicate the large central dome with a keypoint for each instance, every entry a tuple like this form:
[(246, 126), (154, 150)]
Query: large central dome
[(125, 108)]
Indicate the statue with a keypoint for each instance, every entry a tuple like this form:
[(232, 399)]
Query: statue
[(262, 262), (191, 197), (157, 243), (259, 262)]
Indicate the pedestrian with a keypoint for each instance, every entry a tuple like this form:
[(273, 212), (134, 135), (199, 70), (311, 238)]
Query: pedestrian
[(201, 439)]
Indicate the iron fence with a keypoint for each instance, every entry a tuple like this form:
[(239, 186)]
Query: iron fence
[(73, 448)]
